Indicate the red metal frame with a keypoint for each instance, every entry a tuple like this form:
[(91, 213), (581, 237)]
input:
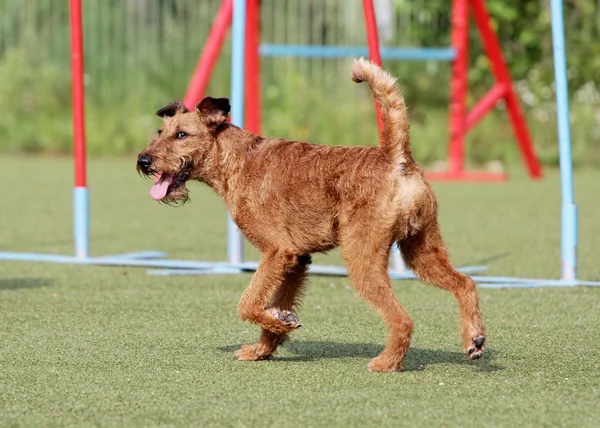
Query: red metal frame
[(252, 86), (493, 51), (373, 42), (209, 56), (78, 94), (461, 119), (458, 85)]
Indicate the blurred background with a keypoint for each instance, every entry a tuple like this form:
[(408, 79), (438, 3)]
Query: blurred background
[(140, 55)]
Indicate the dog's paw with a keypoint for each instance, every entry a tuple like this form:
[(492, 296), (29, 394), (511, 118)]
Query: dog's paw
[(255, 352), (475, 351), (383, 363), (287, 318)]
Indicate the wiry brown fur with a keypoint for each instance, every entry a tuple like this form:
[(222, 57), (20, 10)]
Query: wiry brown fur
[(292, 198)]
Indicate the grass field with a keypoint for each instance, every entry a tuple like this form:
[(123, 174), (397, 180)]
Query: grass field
[(117, 347)]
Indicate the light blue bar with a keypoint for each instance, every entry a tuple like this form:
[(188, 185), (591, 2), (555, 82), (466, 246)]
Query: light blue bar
[(81, 224), (515, 280), (569, 211), (313, 270), (318, 51), (218, 270), (234, 237), (190, 266), (43, 258), (120, 261), (539, 284), (536, 283), (138, 255)]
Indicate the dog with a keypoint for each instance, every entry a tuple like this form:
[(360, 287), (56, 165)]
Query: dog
[(291, 199)]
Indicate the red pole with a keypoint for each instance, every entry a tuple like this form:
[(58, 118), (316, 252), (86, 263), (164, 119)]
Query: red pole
[(78, 93), (485, 104), (459, 85), (252, 83), (493, 51), (210, 54), (373, 42)]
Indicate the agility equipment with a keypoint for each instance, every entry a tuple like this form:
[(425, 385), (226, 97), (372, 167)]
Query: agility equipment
[(461, 120), (236, 10), (154, 259)]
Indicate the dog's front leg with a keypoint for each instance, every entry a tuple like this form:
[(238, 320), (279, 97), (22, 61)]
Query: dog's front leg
[(286, 298), (269, 277)]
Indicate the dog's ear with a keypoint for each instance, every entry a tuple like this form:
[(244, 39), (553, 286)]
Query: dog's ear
[(172, 109), (213, 111)]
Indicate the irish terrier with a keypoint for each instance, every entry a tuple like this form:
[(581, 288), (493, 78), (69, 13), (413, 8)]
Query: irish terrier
[(292, 198)]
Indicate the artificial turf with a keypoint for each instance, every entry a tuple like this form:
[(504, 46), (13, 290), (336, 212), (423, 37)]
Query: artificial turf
[(117, 347)]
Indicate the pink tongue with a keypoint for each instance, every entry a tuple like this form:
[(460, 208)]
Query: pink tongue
[(161, 186)]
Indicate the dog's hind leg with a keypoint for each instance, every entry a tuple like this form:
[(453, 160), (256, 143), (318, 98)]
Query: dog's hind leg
[(368, 270), (286, 298), (426, 255)]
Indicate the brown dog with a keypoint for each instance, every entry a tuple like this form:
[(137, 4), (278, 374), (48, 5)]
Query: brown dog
[(292, 198)]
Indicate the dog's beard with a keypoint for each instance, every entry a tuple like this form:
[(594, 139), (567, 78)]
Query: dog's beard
[(176, 195)]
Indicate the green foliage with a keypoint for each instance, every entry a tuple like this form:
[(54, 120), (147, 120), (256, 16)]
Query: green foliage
[(523, 27), (29, 87)]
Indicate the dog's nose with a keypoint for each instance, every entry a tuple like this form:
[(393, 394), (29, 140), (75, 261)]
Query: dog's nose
[(144, 162)]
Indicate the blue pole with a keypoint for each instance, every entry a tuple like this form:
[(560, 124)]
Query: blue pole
[(234, 237), (81, 222), (318, 51), (569, 209)]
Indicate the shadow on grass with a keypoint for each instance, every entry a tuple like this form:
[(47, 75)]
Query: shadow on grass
[(16, 283), (416, 359)]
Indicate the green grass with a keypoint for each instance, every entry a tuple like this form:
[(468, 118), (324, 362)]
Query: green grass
[(117, 347)]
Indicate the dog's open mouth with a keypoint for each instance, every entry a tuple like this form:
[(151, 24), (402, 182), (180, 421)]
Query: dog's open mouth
[(165, 183)]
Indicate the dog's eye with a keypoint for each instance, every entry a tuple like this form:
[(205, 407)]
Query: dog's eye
[(181, 134), (159, 131)]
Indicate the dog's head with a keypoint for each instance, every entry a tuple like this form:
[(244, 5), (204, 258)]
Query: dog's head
[(181, 149)]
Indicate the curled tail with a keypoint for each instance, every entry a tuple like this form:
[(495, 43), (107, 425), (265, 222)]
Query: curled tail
[(396, 140)]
